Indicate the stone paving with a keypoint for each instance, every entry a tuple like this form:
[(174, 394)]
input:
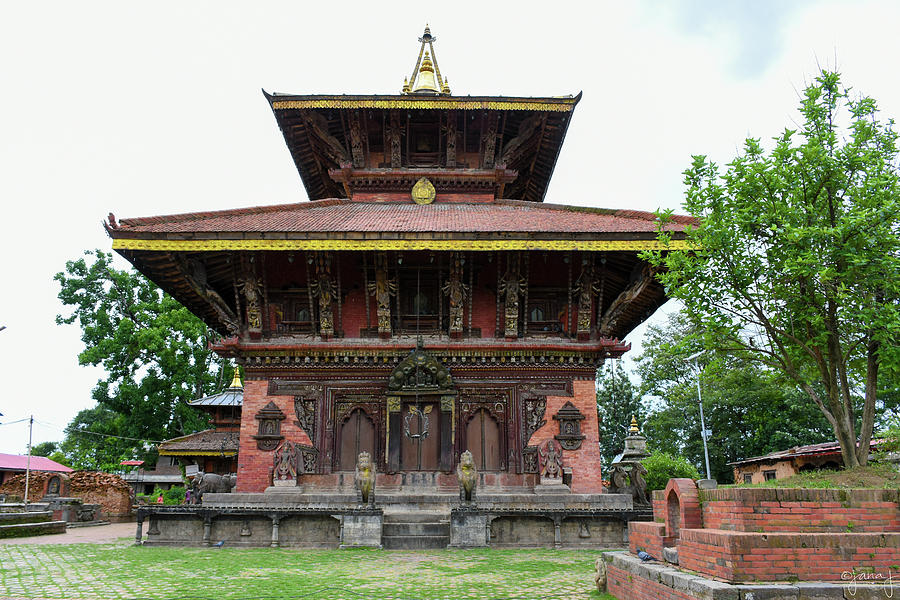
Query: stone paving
[(102, 563)]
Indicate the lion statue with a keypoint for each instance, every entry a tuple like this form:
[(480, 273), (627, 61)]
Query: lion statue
[(468, 478), (365, 479)]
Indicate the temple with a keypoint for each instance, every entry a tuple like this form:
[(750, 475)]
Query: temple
[(426, 301)]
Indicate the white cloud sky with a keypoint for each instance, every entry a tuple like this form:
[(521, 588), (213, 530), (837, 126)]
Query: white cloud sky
[(156, 108)]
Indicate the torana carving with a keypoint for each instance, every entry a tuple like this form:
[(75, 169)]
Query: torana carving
[(420, 371), (305, 411), (268, 434), (534, 416)]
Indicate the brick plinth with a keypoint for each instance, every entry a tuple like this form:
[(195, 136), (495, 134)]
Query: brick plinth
[(649, 537)]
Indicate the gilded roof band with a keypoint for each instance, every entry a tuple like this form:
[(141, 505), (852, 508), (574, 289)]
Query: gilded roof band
[(425, 103), (357, 245)]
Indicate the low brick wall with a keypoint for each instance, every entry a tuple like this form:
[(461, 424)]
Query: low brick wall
[(741, 556), (801, 510), (649, 537)]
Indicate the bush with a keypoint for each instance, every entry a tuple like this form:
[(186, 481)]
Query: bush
[(174, 495), (661, 467)]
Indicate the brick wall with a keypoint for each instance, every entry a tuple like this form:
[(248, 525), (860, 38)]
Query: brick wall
[(772, 510), (585, 462), (741, 556), (254, 465), (647, 536), (624, 586)]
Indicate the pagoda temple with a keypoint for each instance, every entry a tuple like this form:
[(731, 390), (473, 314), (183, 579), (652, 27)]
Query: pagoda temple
[(425, 301)]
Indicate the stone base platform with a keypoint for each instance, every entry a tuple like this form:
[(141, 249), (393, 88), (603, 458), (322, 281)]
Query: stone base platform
[(629, 578), (29, 523), (287, 517)]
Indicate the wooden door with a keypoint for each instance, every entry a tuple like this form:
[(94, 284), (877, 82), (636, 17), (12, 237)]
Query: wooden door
[(357, 435), (483, 440), (420, 446)]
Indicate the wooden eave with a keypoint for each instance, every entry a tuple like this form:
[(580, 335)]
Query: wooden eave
[(535, 165)]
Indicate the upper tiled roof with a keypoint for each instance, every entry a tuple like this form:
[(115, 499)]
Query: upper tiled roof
[(821, 449), (345, 216), (208, 441)]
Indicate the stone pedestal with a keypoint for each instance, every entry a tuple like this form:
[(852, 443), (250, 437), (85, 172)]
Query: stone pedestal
[(362, 530), (468, 529), (552, 485)]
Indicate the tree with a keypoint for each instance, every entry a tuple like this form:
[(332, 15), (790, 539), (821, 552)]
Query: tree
[(662, 466), (44, 449), (156, 357), (617, 402), (749, 409), (796, 257)]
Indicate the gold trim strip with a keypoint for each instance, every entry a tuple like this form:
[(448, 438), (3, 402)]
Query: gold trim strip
[(434, 104), (195, 453), (358, 245)]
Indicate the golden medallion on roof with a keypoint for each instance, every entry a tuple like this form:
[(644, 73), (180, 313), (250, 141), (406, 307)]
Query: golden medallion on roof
[(423, 192)]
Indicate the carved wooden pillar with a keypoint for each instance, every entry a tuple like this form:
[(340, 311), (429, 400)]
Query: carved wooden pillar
[(395, 129), (456, 290), (323, 289), (392, 442), (585, 288), (383, 288), (356, 144), (512, 287), (451, 139), (490, 142), (250, 289)]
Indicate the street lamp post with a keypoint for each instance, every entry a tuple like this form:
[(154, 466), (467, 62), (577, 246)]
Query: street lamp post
[(703, 431)]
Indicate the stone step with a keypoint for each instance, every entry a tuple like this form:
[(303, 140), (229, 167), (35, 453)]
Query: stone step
[(30, 529), (415, 542), (416, 529), (419, 516), (11, 518)]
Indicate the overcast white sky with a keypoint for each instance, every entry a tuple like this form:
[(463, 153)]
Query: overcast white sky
[(156, 108)]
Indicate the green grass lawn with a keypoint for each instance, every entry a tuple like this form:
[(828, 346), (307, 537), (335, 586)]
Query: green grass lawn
[(124, 571)]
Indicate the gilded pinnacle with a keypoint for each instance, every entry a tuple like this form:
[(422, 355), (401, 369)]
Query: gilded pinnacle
[(633, 430), (236, 382)]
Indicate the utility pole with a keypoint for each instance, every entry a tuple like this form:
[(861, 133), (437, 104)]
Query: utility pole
[(703, 431), (28, 461)]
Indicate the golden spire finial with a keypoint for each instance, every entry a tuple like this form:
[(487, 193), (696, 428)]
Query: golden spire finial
[(633, 430), (405, 89), (426, 75), (236, 381)]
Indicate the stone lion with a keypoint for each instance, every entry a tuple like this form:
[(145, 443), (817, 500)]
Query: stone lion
[(468, 478), (600, 574), (365, 479)]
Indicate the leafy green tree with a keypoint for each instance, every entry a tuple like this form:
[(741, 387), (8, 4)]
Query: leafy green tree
[(44, 449), (617, 402), (796, 260), (93, 441), (747, 408), (155, 354)]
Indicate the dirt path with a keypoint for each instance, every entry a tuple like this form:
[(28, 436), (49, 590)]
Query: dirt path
[(101, 534)]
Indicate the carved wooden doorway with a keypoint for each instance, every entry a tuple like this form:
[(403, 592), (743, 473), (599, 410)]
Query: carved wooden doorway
[(420, 445), (357, 434), (483, 439)]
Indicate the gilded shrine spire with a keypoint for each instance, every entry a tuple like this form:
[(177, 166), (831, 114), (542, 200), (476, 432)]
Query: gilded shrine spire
[(426, 75)]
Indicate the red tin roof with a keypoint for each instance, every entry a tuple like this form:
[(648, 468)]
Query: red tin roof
[(15, 462)]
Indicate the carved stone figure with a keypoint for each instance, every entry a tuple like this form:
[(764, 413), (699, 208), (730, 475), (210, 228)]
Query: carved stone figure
[(468, 478), (457, 291), (285, 462), (618, 478), (212, 483), (600, 575), (551, 460), (639, 484), (365, 479), (383, 288)]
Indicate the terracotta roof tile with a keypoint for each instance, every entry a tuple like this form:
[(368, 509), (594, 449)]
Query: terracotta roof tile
[(336, 215)]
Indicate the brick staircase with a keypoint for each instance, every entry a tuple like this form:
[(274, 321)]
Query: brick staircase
[(19, 520)]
